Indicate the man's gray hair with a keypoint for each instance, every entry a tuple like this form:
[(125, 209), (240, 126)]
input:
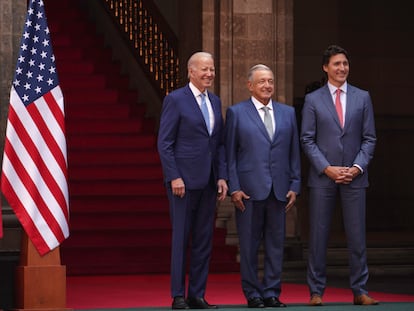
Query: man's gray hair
[(197, 55), (256, 68)]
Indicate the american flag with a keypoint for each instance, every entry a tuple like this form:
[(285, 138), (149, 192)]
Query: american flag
[(34, 173)]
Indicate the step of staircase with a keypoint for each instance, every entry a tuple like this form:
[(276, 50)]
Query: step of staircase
[(116, 141), (111, 158), (119, 214), (102, 250), (118, 204), (383, 261), (102, 126), (88, 173)]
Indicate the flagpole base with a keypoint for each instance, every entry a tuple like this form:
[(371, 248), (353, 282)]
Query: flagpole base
[(40, 280)]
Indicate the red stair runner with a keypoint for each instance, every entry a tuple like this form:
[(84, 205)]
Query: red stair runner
[(119, 211)]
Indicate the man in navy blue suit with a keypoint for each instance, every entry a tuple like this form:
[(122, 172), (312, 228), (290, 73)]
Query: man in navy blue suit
[(191, 149), (263, 158), (338, 137)]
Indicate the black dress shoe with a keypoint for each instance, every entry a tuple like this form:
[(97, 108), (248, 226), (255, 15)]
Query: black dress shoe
[(273, 302), (179, 303), (255, 302), (199, 303)]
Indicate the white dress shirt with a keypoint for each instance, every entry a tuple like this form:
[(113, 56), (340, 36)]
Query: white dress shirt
[(261, 112), (197, 95)]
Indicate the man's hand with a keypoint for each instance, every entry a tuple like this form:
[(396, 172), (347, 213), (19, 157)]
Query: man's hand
[(339, 174), (222, 189), (237, 198), (342, 174), (291, 196), (178, 187)]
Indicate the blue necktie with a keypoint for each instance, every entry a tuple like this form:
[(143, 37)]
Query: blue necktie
[(204, 110)]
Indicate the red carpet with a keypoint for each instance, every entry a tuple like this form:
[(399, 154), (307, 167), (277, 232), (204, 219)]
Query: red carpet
[(92, 292)]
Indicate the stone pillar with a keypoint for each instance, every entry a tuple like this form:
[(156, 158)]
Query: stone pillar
[(12, 15), (241, 34), (11, 26)]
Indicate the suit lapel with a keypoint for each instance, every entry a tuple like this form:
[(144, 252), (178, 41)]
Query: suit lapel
[(196, 107), (349, 108), (329, 104), (216, 112), (253, 114), (277, 113)]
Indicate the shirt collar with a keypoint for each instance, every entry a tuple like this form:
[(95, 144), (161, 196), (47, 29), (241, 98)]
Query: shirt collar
[(332, 88), (259, 105), (195, 90)]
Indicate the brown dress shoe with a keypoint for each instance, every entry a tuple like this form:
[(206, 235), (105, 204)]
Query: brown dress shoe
[(316, 300), (365, 300)]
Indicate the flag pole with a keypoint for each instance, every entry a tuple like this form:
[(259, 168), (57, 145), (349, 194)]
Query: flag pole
[(40, 280)]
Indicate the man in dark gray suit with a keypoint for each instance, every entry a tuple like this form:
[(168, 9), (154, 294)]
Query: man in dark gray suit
[(338, 137)]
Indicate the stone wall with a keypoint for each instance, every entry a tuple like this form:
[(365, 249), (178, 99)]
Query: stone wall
[(12, 15)]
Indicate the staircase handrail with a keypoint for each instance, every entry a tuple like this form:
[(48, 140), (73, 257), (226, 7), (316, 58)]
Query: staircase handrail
[(151, 39)]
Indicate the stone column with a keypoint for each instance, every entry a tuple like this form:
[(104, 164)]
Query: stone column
[(241, 34), (11, 26), (12, 16)]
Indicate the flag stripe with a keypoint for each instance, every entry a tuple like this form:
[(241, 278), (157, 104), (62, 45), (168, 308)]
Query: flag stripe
[(20, 159), (26, 123), (33, 143), (55, 101), (29, 215), (45, 122), (25, 218)]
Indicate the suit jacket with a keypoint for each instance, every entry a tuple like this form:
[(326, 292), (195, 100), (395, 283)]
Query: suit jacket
[(186, 149), (255, 162), (326, 143)]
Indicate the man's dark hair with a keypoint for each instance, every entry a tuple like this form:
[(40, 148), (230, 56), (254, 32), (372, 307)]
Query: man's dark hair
[(331, 51)]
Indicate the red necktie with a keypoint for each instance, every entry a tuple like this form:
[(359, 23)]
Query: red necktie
[(338, 107)]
